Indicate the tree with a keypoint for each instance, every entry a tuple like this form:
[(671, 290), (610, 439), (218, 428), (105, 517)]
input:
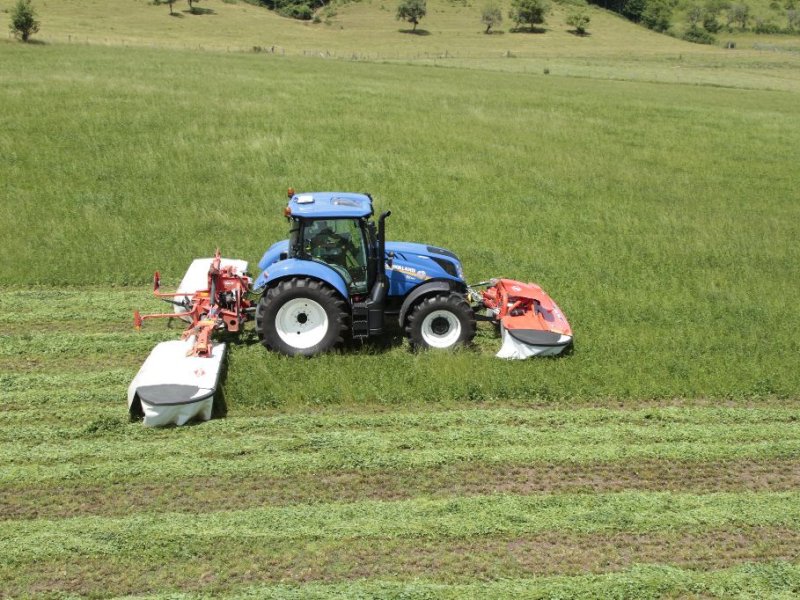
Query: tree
[(739, 13), (492, 16), (657, 15), (23, 20), (579, 20), (694, 14), (633, 9), (710, 23), (793, 19), (529, 12), (411, 11), (169, 2)]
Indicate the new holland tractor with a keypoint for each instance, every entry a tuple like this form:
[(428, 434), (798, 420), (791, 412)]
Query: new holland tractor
[(335, 277)]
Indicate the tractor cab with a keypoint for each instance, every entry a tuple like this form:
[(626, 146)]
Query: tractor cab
[(342, 244), (335, 229)]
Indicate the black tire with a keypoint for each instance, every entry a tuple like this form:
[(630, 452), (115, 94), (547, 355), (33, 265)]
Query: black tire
[(441, 322), (274, 326)]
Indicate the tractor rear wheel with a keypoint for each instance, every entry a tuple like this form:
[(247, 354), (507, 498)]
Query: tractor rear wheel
[(300, 317), (441, 322)]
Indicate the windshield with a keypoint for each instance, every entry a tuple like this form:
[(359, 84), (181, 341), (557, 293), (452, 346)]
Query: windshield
[(339, 243)]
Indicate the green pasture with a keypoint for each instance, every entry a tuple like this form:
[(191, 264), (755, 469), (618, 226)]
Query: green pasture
[(662, 218), (651, 191)]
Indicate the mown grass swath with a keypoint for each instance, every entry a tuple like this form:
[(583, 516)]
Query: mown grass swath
[(638, 582)]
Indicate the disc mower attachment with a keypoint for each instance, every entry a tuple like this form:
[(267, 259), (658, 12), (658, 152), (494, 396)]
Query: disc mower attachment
[(178, 380), (531, 324), (174, 387)]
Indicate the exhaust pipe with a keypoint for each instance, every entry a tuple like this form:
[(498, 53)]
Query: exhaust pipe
[(377, 297)]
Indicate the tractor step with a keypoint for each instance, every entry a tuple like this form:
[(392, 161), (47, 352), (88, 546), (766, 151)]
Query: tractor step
[(360, 321)]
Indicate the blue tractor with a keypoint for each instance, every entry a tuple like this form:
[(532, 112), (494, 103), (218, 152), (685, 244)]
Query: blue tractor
[(337, 275)]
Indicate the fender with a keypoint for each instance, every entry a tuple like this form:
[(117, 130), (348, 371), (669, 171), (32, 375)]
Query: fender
[(273, 254), (426, 289), (293, 267)]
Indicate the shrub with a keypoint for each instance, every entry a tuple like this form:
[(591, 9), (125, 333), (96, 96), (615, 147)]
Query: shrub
[(579, 20), (23, 20), (698, 36), (302, 12), (766, 27)]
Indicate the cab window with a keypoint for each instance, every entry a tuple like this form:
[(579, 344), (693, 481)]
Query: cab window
[(339, 243)]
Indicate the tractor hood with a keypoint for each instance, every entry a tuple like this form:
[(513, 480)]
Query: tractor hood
[(412, 264), (420, 262)]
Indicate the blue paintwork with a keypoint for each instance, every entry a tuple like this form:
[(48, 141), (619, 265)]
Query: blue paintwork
[(326, 205), (273, 254), (294, 267), (413, 264)]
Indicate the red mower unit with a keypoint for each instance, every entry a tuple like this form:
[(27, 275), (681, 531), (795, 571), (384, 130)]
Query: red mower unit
[(335, 277), (178, 381), (531, 324)]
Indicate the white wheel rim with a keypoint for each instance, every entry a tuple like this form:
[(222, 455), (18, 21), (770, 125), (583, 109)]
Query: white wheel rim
[(441, 329), (301, 323)]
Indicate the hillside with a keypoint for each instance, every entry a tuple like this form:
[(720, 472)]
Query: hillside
[(451, 36)]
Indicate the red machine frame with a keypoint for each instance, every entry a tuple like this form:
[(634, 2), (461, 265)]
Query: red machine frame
[(221, 305)]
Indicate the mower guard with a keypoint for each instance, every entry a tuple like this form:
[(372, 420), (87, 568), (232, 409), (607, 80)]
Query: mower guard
[(174, 387), (531, 324)]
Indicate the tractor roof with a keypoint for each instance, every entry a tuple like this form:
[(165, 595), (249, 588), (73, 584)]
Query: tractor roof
[(321, 205)]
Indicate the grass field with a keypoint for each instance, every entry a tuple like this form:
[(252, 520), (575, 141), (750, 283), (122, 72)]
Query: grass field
[(650, 188)]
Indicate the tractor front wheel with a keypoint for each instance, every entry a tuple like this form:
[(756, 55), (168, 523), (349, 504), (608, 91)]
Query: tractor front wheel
[(441, 322), (300, 317)]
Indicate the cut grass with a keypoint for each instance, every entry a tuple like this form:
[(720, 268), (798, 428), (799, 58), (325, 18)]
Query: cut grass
[(105, 449), (158, 537), (207, 494), (224, 565), (773, 580)]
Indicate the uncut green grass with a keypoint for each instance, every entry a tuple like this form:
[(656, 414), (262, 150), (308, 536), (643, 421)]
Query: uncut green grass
[(662, 218)]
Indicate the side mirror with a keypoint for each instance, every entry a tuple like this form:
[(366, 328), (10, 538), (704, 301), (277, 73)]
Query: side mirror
[(391, 259)]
